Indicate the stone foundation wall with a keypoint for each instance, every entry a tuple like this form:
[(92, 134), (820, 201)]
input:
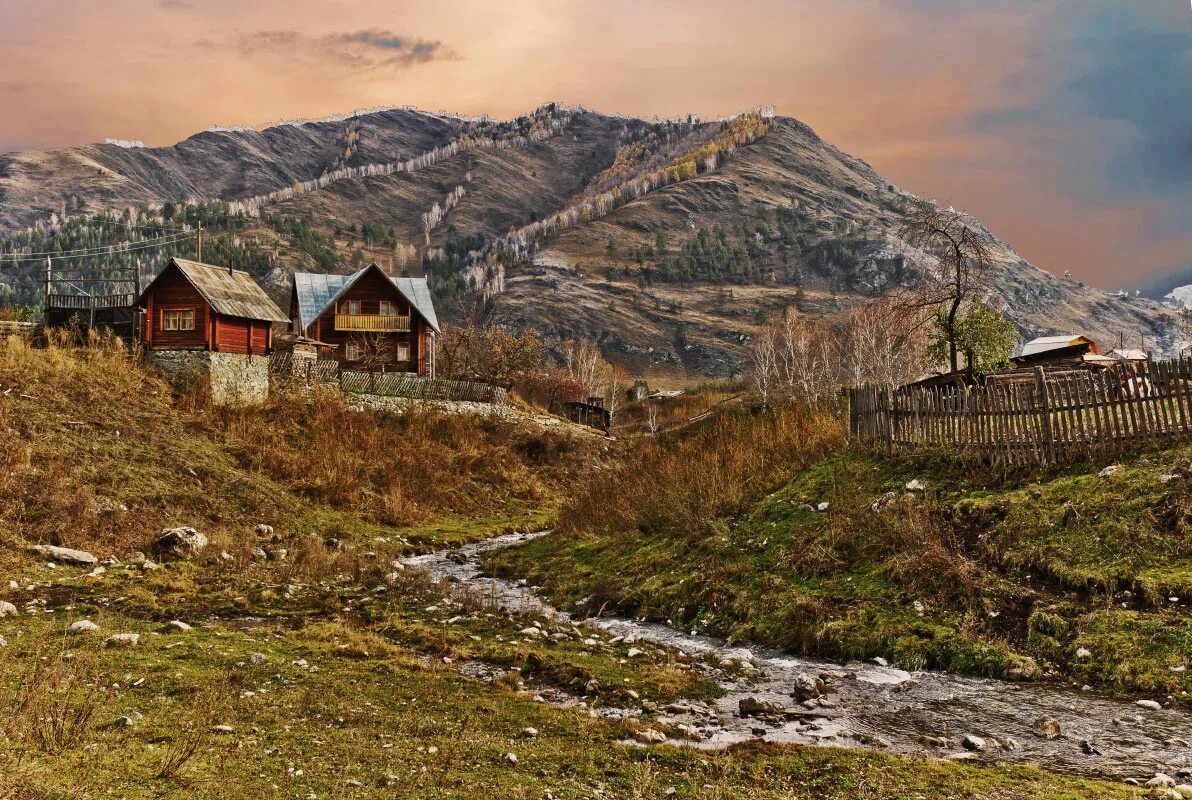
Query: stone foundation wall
[(232, 378)]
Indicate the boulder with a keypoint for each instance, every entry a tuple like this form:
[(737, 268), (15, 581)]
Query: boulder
[(183, 542), (1161, 779), (64, 554)]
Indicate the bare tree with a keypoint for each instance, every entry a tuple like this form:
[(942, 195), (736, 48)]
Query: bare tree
[(584, 363), (652, 425), (964, 264), (372, 351)]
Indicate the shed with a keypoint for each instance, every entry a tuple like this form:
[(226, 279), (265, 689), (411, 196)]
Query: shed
[(1065, 348), (195, 306)]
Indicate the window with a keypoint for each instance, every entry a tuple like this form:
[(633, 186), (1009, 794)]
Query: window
[(353, 351), (178, 320), (388, 308), (349, 307), (403, 351)]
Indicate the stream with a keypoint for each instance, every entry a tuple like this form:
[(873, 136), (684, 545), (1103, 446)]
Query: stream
[(876, 706)]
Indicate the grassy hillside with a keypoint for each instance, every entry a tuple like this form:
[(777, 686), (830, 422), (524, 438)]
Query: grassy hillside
[(1014, 575), (324, 670)]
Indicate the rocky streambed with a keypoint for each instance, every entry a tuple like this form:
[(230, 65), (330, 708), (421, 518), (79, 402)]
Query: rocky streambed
[(780, 698)]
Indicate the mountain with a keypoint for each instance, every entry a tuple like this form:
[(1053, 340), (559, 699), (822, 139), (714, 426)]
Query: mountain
[(669, 241)]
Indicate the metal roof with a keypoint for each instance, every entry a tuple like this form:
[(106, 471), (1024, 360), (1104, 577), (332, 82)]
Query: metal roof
[(233, 293), (317, 291), (1045, 343)]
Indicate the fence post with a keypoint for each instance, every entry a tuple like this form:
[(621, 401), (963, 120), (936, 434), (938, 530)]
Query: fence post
[(1044, 402)]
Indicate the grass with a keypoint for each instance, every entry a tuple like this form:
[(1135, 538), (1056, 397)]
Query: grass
[(1007, 575), (356, 701)]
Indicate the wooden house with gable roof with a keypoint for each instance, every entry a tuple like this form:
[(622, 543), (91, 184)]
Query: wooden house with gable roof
[(370, 320)]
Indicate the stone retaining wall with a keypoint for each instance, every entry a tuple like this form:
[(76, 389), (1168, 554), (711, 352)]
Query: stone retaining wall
[(232, 378)]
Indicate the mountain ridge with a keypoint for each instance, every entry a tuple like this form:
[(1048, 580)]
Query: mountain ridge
[(704, 233)]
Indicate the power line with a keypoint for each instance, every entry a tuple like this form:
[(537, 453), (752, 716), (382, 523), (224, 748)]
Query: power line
[(103, 248), (110, 250)]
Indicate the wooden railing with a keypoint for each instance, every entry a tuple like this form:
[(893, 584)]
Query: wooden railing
[(1048, 418), (86, 302), (371, 323)]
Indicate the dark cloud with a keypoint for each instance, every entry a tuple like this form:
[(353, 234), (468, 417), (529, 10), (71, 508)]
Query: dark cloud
[(367, 49)]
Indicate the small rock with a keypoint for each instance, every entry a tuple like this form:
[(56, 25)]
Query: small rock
[(881, 662), (961, 757), (822, 506), (1168, 477), (934, 741), (257, 658), (1083, 652), (3, 642), (183, 542), (974, 743), (871, 740), (882, 502), (1088, 748), (259, 554), (83, 626), (649, 736), (510, 758), (263, 530), (64, 554), (178, 625), (1110, 471), (1046, 728), (122, 640), (633, 652), (529, 733), (1150, 705), (916, 485), (222, 729), (7, 609), (1161, 779), (805, 686)]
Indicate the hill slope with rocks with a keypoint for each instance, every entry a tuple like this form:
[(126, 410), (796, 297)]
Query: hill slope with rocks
[(668, 242)]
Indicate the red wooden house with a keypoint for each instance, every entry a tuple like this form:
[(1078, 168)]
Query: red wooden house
[(374, 321), (194, 306)]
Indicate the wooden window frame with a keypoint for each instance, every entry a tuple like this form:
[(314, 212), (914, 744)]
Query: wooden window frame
[(387, 308), (406, 347), (352, 308), (352, 351), (179, 316)]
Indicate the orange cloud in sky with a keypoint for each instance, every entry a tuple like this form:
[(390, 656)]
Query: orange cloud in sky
[(894, 86)]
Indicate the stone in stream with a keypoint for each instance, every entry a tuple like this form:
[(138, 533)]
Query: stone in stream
[(64, 554), (935, 741), (1046, 728), (754, 707), (1161, 779), (805, 686), (649, 736), (872, 740), (974, 743), (1088, 748), (1150, 705)]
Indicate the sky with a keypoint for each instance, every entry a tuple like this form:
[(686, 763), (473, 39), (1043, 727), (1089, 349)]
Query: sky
[(1065, 125)]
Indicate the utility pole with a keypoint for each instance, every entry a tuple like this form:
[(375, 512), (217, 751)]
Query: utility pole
[(45, 309)]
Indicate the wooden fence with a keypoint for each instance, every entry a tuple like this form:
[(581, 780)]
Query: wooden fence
[(1046, 418), (391, 384)]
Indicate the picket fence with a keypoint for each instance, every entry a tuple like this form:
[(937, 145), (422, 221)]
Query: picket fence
[(1033, 417)]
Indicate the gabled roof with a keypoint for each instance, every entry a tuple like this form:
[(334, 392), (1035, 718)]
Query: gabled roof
[(316, 292), (1046, 343), (233, 293)]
